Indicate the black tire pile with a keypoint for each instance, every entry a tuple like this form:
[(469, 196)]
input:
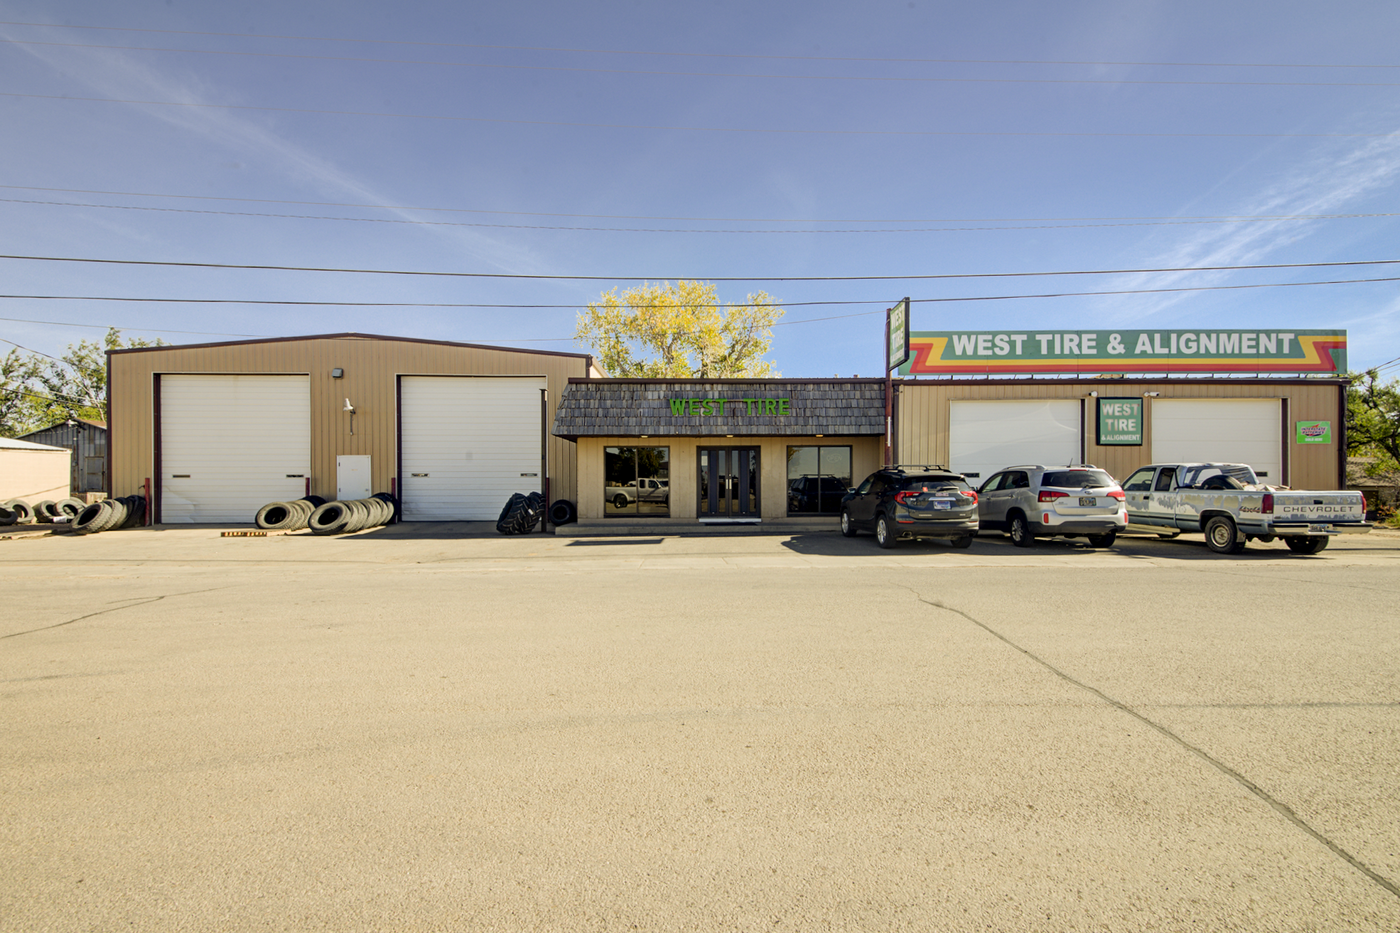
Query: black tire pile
[(20, 512), (521, 514), (338, 518), (110, 515), (287, 516)]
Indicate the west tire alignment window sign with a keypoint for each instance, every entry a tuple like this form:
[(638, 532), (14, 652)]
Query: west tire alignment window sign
[(1120, 422), (1127, 351)]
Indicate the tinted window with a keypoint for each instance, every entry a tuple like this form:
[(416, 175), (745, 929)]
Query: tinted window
[(994, 483), (1141, 481), (1164, 479), (1017, 480), (1074, 479), (936, 484)]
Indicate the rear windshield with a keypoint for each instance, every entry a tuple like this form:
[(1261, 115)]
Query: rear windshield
[(935, 484), (1218, 476), (1076, 479)]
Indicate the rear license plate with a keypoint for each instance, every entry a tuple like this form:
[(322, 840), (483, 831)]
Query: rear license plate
[(1319, 529), (1088, 500), (942, 503)]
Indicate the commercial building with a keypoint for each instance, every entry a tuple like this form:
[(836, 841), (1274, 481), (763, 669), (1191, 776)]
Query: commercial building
[(214, 431)]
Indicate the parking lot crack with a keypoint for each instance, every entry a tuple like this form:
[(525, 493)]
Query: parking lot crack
[(101, 612), (1279, 806)]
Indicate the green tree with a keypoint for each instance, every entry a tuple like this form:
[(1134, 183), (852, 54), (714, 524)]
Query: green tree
[(1373, 421), (679, 331), (73, 386), (19, 410)]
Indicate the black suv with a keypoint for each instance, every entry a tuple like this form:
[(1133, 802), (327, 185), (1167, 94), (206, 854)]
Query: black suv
[(912, 502)]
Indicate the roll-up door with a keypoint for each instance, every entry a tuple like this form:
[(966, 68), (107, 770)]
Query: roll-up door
[(231, 444), (1219, 430), (984, 436), (468, 442)]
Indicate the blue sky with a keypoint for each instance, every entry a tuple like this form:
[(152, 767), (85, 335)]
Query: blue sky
[(699, 140)]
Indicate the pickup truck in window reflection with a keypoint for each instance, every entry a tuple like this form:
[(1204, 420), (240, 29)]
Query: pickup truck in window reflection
[(649, 490)]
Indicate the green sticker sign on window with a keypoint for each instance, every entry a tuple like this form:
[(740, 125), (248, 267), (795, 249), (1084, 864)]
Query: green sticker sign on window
[(1120, 422), (1314, 432)]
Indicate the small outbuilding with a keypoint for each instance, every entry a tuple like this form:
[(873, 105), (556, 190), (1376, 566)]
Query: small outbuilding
[(33, 472), (88, 442)]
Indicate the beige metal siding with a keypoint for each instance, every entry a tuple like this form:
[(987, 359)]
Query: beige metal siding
[(371, 368), (923, 409)]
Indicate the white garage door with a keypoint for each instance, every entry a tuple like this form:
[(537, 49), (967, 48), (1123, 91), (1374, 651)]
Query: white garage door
[(231, 444), (1228, 430), (468, 443), (984, 436)]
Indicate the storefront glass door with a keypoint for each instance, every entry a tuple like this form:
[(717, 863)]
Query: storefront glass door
[(728, 482)]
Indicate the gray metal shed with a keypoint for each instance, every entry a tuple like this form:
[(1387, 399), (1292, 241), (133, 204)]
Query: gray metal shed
[(88, 441)]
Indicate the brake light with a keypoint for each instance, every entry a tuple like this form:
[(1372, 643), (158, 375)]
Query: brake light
[(1050, 495), (1268, 504), (1117, 494), (1363, 505), (973, 496), (902, 496)]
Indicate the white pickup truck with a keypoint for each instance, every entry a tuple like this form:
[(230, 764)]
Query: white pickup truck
[(1227, 504)]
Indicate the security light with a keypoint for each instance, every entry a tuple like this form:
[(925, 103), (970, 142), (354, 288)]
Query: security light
[(348, 407)]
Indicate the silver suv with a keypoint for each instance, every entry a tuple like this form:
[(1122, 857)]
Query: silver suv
[(1033, 500)]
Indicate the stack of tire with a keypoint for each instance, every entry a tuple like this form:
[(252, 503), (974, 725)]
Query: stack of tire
[(110, 514), (521, 514), (337, 518), (287, 516), (20, 512)]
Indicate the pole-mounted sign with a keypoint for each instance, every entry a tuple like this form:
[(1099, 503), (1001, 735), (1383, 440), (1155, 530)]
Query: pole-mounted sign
[(898, 333)]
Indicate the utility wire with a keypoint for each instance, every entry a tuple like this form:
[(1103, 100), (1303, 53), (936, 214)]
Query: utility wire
[(578, 229), (673, 53), (516, 66), (946, 276), (700, 129), (753, 220)]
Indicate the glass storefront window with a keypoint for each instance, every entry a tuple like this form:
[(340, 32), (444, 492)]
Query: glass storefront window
[(637, 481), (818, 478)]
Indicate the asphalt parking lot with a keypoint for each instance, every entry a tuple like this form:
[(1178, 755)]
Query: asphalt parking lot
[(412, 730)]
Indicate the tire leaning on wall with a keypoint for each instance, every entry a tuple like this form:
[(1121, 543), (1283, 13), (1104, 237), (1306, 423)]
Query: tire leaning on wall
[(92, 518), (24, 512), (562, 512)]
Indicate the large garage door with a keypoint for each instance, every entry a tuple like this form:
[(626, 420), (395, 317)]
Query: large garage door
[(984, 436), (231, 444), (1228, 430), (468, 443)]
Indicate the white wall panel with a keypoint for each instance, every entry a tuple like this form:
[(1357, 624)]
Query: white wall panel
[(1225, 430), (468, 443), (986, 435), (230, 444)]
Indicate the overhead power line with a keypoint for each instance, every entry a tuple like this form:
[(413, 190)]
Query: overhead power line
[(577, 124), (690, 219), (681, 54), (518, 66), (582, 229), (943, 276), (410, 304)]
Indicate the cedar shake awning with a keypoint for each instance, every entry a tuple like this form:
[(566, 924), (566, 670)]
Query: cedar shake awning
[(741, 407)]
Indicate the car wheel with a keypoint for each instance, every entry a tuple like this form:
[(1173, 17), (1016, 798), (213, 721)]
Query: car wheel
[(883, 536), (1102, 540), (1020, 531), (1305, 545), (964, 542), (847, 527), (619, 501), (1221, 537)]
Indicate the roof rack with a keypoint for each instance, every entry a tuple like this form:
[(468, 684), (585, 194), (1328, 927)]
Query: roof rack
[(928, 467)]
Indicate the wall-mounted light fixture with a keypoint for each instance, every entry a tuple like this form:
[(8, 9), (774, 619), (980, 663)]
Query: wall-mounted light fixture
[(1151, 394), (337, 373), (351, 409), (1093, 395)]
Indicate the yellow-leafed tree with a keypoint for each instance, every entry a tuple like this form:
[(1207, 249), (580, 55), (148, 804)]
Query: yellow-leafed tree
[(679, 331)]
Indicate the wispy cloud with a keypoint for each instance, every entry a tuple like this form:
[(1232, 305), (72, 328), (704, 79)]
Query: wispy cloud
[(113, 74), (1326, 183)]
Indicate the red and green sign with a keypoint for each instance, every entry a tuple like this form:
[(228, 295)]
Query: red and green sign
[(1314, 432), (1126, 351)]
